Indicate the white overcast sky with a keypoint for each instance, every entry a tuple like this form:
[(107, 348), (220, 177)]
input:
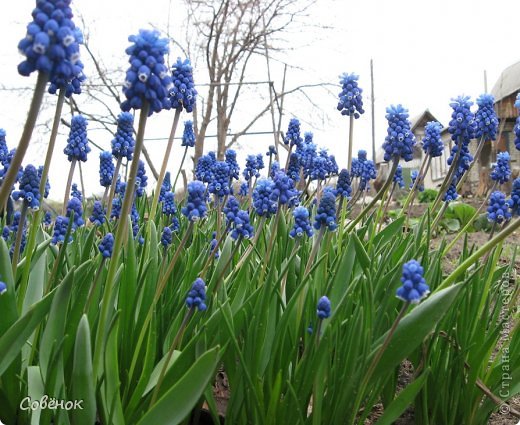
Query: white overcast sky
[(424, 54)]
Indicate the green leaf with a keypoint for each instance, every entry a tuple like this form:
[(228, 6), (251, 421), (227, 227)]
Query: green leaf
[(35, 390), (402, 401), (12, 341), (462, 212), (154, 377), (413, 328), (82, 377), (179, 400)]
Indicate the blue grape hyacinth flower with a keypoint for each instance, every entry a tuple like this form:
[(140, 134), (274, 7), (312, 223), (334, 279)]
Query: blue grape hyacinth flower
[(74, 206), (517, 125), (213, 244), (75, 192), (400, 140), (293, 169), (462, 125), (242, 226), (195, 208), (123, 142), (29, 189), (166, 186), (169, 207), (302, 224), (106, 245), (264, 202), (414, 176), (4, 150), (231, 210), (292, 137), (204, 168), (252, 168), (147, 79), (350, 98), (106, 169), (326, 213), (166, 236), (183, 94), (271, 151), (77, 143), (284, 191), (47, 187), (498, 208), (432, 143), (451, 194), (323, 309), (398, 177), (142, 179), (486, 121), (501, 172), (343, 185), (60, 230), (231, 161), (98, 214), (197, 295), (188, 135), (514, 201), (219, 185), (414, 287)]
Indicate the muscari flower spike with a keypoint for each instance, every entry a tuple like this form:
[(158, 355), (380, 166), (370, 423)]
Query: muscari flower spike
[(166, 236), (147, 79), (75, 192), (188, 135), (142, 178), (326, 213), (60, 230), (106, 169), (414, 176), (451, 193), (106, 245), (514, 201), (301, 225), (204, 168), (212, 245), (197, 295), (166, 186), (275, 167), (432, 143), (517, 125), (414, 287), (398, 177), (263, 201), (7, 164), (74, 206), (462, 125), (252, 168), (486, 121), (319, 169), (271, 151), (183, 94), (98, 214), (323, 308), (343, 185), (219, 185), (292, 137), (498, 208), (284, 191), (195, 207), (231, 210), (400, 140), (367, 172), (4, 151), (47, 218), (51, 44), (29, 189), (501, 172), (293, 169), (77, 144), (350, 98), (231, 161), (123, 142), (47, 188), (169, 207), (244, 189), (242, 226)]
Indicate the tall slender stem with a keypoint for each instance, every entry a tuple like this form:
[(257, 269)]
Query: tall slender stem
[(477, 158), (67, 187), (180, 168), (118, 243), (19, 235), (82, 182), (415, 185), (350, 141), (16, 162), (113, 187), (166, 157)]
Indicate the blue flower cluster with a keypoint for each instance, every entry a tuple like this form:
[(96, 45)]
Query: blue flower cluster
[(293, 169), (462, 124), (7, 164), (272, 151), (231, 161), (213, 244), (141, 179), (241, 227), (501, 172), (169, 208), (414, 287), (420, 185), (60, 230), (219, 185), (517, 125), (263, 201), (166, 186), (367, 172), (29, 189), (451, 193), (230, 210), (98, 214), (343, 185), (188, 135), (123, 142), (4, 151), (253, 166), (197, 295), (398, 177), (204, 168), (147, 79), (326, 213), (106, 169), (432, 142), (75, 192), (292, 137), (166, 237), (400, 140), (301, 225), (74, 206), (514, 201), (498, 208), (323, 309), (106, 245), (47, 187), (195, 207), (77, 144), (486, 121), (350, 98), (284, 191), (183, 93), (51, 44)]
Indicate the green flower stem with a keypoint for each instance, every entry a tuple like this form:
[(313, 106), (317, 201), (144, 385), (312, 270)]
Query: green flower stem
[(350, 141), (180, 168), (409, 199), (113, 187), (476, 158), (378, 196), (16, 162), (508, 230), (439, 216), (94, 284), (470, 222), (82, 184), (19, 234), (415, 192), (160, 287), (68, 185), (385, 209), (449, 177), (166, 157), (118, 244), (176, 341), (375, 361), (314, 251), (52, 141)]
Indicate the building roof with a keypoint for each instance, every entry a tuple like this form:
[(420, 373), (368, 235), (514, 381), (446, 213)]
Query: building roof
[(508, 82)]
